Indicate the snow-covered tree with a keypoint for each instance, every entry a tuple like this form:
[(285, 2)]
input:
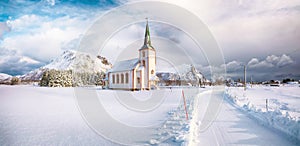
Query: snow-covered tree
[(55, 78)]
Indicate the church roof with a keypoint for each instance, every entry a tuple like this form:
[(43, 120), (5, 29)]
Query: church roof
[(141, 68), (125, 65), (147, 47)]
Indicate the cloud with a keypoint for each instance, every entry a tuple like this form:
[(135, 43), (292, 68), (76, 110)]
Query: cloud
[(243, 28), (252, 28), (284, 61), (233, 66), (270, 61), (51, 2), (33, 33), (3, 29), (170, 43), (261, 70), (11, 62), (123, 44), (255, 63), (40, 37)]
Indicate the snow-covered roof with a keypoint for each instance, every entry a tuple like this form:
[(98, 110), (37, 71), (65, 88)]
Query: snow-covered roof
[(106, 78), (125, 65), (141, 68)]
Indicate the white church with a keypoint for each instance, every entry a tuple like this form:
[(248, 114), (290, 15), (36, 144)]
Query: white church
[(138, 73)]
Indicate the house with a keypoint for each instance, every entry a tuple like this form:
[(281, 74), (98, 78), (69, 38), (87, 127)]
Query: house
[(138, 73)]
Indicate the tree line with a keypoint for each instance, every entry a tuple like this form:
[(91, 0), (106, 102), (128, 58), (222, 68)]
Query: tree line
[(69, 78)]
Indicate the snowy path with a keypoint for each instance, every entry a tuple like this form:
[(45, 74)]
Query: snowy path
[(231, 127)]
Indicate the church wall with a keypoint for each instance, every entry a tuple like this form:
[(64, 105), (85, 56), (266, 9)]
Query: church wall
[(152, 64), (138, 80), (120, 84)]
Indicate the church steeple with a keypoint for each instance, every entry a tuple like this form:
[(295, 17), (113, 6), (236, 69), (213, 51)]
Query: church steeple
[(147, 58), (147, 40)]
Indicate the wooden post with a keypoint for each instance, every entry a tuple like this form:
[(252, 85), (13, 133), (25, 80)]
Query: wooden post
[(267, 109), (186, 113)]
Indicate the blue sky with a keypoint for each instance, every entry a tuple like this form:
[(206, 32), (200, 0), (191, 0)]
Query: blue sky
[(262, 34)]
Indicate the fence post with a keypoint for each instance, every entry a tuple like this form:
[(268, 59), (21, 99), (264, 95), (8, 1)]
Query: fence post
[(267, 104), (186, 113)]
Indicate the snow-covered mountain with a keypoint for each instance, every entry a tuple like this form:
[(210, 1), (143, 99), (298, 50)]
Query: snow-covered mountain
[(71, 60), (167, 76), (186, 72), (5, 78)]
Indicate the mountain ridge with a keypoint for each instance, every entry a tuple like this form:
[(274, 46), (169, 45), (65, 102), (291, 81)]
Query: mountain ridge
[(71, 60)]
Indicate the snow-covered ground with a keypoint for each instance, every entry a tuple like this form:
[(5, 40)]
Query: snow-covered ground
[(275, 107), (31, 115), (42, 116)]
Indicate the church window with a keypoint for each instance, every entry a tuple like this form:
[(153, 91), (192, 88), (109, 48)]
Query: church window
[(118, 79), (152, 71), (143, 53), (126, 78), (143, 63), (113, 78), (122, 78), (138, 80)]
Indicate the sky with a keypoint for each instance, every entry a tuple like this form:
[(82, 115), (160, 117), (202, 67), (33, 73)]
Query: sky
[(264, 35)]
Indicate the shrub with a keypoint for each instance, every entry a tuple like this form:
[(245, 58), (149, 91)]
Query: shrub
[(15, 81)]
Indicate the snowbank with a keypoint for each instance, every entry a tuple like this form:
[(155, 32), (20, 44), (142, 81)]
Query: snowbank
[(276, 107)]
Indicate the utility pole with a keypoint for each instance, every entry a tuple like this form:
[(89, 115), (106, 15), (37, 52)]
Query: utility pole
[(245, 82), (251, 81)]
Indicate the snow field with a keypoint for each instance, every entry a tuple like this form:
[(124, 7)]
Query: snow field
[(43, 116), (31, 115)]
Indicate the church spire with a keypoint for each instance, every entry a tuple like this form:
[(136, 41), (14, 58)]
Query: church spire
[(147, 40)]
